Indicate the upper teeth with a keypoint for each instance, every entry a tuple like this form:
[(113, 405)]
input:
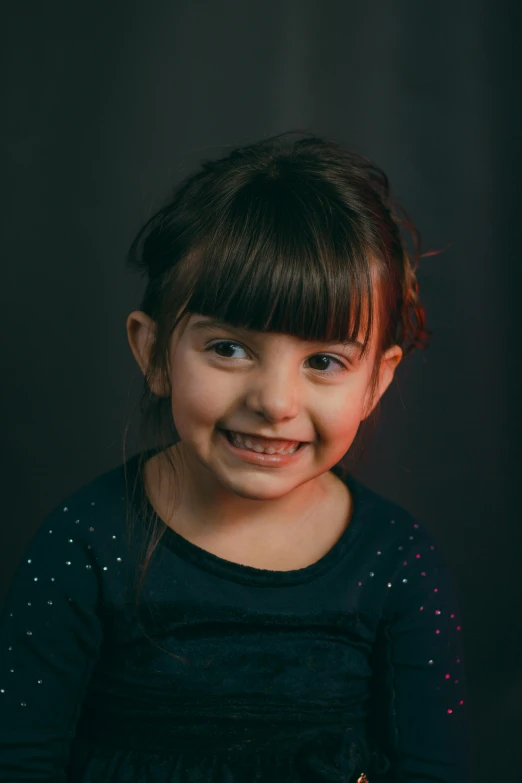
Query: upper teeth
[(245, 443)]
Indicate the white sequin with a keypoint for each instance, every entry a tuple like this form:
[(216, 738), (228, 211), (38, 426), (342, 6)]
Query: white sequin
[(404, 580), (67, 562), (49, 602), (66, 509), (118, 559), (389, 584), (105, 568), (29, 561)]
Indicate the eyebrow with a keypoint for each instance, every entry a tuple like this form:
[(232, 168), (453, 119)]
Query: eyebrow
[(216, 323)]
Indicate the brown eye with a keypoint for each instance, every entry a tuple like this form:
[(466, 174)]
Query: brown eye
[(324, 359), (227, 344)]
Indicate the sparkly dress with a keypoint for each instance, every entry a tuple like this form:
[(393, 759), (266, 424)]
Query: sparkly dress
[(350, 669)]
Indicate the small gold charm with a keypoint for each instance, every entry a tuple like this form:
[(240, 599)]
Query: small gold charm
[(363, 779)]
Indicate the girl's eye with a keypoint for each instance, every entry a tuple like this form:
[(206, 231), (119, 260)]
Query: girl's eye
[(323, 357)]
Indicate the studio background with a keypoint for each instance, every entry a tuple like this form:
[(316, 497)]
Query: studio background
[(109, 105)]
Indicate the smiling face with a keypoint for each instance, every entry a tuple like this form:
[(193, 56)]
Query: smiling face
[(269, 384)]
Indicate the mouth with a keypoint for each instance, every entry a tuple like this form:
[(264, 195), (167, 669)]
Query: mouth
[(230, 437), (261, 457)]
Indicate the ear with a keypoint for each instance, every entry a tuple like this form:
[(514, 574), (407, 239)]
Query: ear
[(141, 333), (389, 363)]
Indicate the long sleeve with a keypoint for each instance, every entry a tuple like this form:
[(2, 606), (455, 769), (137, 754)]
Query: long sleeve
[(50, 635), (421, 696)]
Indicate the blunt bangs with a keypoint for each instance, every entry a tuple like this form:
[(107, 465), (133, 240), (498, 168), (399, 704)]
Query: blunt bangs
[(282, 258)]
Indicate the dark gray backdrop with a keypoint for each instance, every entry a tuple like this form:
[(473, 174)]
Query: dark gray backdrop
[(109, 104)]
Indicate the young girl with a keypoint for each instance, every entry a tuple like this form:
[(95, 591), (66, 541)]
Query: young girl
[(231, 604)]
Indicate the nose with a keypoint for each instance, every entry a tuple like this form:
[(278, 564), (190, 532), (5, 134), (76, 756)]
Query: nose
[(274, 394)]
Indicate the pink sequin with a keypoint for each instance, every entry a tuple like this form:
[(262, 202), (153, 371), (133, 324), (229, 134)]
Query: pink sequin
[(421, 608), (415, 526), (458, 627), (436, 590), (448, 676), (461, 702), (405, 562), (437, 611), (449, 712), (423, 573), (417, 556), (437, 631)]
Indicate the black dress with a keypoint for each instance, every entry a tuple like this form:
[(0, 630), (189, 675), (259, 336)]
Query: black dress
[(350, 666)]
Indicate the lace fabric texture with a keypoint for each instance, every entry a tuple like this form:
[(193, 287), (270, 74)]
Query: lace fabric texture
[(317, 756), (284, 698)]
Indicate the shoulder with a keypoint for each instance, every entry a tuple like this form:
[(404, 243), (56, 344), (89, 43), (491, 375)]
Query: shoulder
[(99, 501), (81, 537), (387, 527), (382, 515), (406, 558)]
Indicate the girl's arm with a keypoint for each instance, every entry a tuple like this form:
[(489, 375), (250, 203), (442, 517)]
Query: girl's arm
[(50, 636), (420, 698)]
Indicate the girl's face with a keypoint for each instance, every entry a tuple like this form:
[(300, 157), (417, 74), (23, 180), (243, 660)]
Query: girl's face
[(263, 384)]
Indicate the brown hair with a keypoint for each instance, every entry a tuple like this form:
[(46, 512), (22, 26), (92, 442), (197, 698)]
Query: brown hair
[(277, 236)]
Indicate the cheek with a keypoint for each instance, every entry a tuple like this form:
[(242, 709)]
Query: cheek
[(342, 425), (342, 415), (195, 398)]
